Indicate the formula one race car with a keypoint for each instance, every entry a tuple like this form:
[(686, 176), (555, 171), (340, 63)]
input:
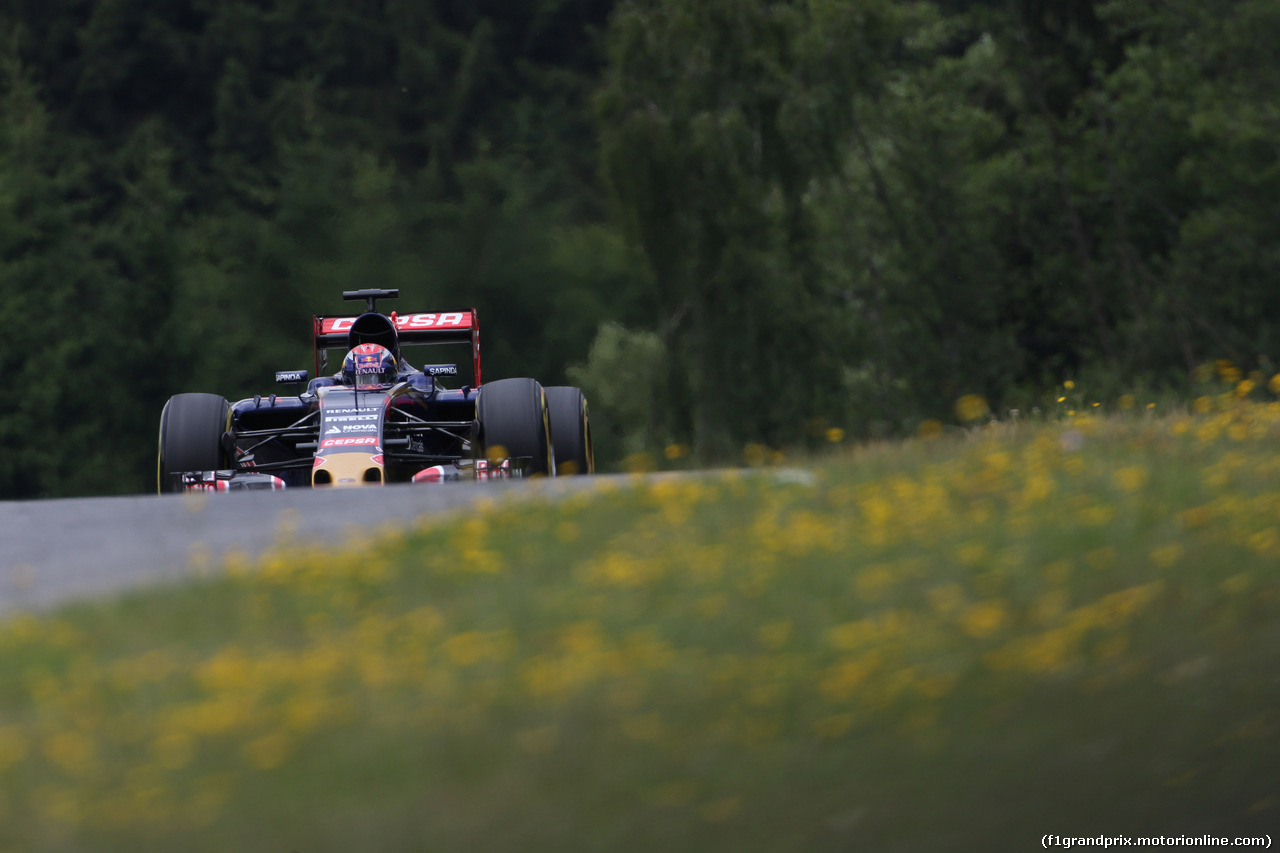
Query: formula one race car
[(377, 420)]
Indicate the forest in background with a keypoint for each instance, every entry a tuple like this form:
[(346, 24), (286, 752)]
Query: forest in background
[(730, 221)]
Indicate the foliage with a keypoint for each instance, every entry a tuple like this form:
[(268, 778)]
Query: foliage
[(1018, 191), (623, 378)]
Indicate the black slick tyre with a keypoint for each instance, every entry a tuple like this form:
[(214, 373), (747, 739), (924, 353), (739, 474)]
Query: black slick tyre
[(570, 430), (191, 427), (514, 423)]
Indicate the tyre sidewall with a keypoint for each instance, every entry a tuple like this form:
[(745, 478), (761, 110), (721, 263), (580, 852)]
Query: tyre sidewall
[(570, 429), (512, 414), (191, 428)]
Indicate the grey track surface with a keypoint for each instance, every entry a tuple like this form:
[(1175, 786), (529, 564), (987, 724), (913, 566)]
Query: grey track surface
[(57, 551)]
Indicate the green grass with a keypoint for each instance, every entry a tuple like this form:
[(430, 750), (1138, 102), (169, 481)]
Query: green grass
[(960, 644)]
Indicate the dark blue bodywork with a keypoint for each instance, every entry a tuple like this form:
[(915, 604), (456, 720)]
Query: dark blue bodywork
[(425, 424)]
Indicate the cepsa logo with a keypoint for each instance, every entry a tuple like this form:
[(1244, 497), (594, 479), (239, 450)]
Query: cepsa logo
[(347, 442), (456, 320)]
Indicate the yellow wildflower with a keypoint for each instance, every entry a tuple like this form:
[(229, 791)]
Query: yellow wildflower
[(971, 407), (775, 634), (267, 752), (843, 679), (1130, 478), (72, 751), (1236, 584), (872, 582), (13, 746), (1057, 572), (174, 751), (1101, 558), (983, 618), (946, 598)]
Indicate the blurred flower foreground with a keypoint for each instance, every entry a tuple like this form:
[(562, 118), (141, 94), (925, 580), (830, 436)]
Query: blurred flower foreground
[(963, 642)]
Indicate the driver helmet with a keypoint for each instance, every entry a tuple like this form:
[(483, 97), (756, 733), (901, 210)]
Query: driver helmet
[(369, 366), (374, 328)]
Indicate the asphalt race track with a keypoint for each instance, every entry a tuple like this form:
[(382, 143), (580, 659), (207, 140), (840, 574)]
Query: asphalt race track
[(55, 551)]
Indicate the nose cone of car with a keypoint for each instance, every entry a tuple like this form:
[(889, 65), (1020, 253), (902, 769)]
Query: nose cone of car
[(346, 470)]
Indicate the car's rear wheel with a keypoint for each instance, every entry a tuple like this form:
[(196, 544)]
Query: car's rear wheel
[(514, 423), (191, 428), (570, 430)]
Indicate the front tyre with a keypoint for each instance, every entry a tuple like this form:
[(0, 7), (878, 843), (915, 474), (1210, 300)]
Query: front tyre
[(514, 423), (191, 428), (570, 430)]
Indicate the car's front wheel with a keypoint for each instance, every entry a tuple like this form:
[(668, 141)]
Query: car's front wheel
[(513, 420), (191, 428)]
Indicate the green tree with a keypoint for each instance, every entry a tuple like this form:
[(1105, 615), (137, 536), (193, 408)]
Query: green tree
[(717, 120), (85, 305)]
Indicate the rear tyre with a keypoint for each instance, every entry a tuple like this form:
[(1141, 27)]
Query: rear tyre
[(570, 430), (514, 423), (191, 428)]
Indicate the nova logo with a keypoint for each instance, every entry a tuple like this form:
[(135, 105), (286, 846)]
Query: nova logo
[(347, 442)]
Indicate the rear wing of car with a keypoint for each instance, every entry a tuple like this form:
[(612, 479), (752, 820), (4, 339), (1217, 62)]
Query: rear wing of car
[(455, 327)]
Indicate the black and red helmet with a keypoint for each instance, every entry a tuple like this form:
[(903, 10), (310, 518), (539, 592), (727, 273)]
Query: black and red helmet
[(374, 328), (369, 366)]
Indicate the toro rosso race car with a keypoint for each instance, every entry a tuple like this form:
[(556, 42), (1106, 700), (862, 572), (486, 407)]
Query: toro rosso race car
[(377, 420)]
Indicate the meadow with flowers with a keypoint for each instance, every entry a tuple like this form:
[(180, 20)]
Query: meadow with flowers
[(967, 640)]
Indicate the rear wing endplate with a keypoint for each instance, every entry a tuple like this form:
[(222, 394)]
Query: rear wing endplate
[(456, 327)]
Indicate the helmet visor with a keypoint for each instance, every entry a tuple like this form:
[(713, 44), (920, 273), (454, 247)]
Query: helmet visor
[(372, 380), (371, 369)]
